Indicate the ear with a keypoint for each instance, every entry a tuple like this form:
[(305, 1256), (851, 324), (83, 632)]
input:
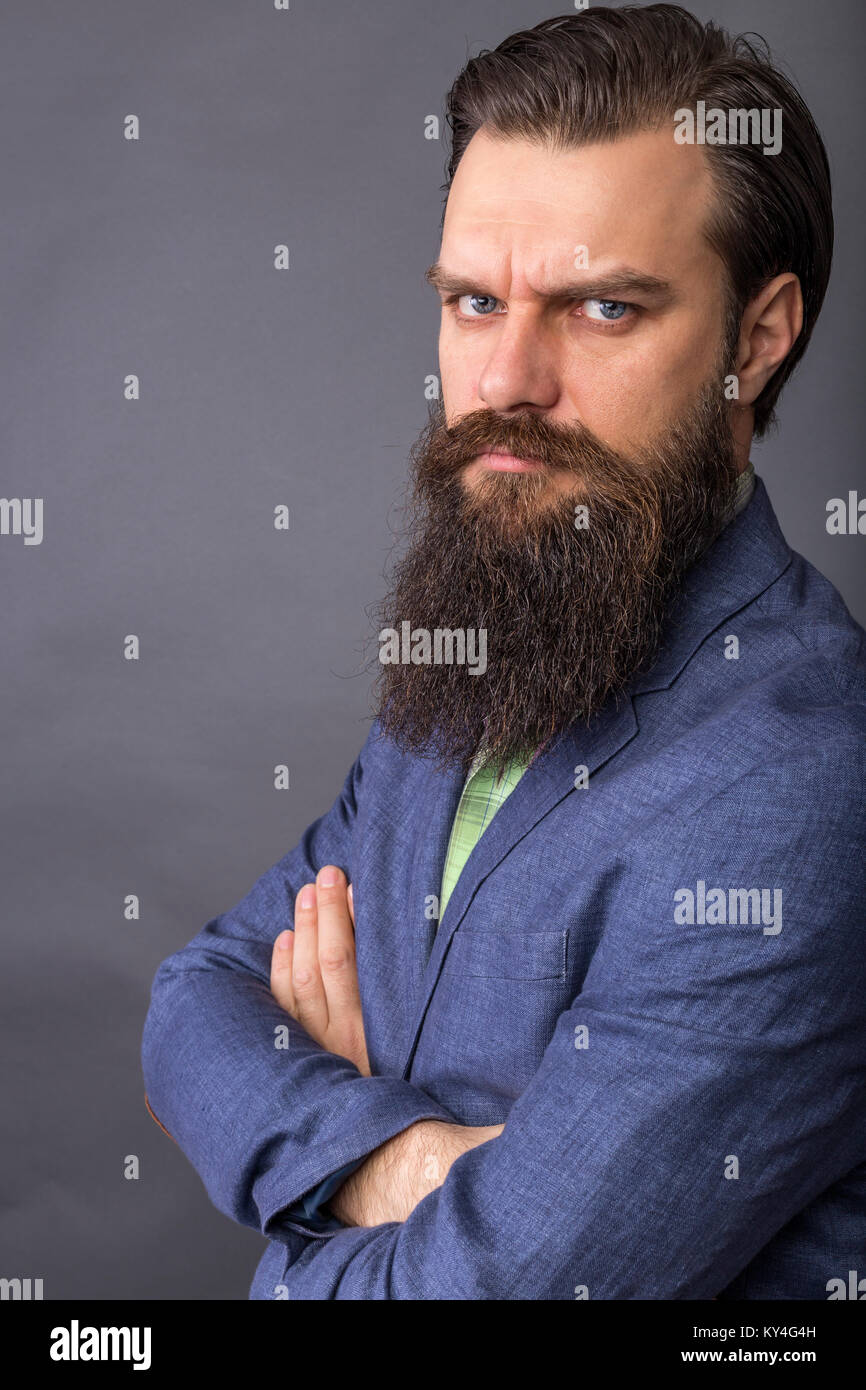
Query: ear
[(771, 325)]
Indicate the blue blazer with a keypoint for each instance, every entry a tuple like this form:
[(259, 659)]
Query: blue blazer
[(657, 982)]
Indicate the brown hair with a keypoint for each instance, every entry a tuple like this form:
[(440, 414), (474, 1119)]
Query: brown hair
[(603, 73)]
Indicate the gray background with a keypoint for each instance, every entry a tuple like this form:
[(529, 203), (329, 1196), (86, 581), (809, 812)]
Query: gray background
[(304, 387)]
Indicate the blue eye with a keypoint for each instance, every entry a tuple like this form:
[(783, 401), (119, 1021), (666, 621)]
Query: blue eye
[(486, 305), (483, 303), (609, 310)]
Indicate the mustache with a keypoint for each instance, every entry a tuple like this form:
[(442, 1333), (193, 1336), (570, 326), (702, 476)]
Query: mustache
[(568, 448)]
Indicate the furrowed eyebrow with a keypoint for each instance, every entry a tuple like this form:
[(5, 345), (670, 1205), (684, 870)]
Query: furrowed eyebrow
[(615, 285)]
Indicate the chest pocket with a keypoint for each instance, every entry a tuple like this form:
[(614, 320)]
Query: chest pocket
[(510, 955), (490, 1018)]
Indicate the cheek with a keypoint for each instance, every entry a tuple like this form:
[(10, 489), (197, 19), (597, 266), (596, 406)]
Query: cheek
[(626, 396), (459, 382), (617, 400)]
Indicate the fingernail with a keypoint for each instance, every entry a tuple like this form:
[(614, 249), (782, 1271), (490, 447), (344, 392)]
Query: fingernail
[(307, 897), (351, 894), (284, 940), (329, 876)]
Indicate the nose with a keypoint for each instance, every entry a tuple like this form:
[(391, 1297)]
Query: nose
[(520, 371)]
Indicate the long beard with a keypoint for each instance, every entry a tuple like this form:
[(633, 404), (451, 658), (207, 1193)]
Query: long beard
[(571, 613)]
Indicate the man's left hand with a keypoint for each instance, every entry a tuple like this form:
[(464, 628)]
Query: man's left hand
[(314, 976)]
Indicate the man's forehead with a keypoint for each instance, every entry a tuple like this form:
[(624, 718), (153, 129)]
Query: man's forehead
[(640, 196)]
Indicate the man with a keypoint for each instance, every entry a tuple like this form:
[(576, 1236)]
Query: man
[(564, 997)]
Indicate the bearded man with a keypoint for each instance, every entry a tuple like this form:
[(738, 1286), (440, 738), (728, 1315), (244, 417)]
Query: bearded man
[(570, 977)]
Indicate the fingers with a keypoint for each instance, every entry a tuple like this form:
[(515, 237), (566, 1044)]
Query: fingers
[(311, 1005), (314, 974), (281, 971), (337, 948)]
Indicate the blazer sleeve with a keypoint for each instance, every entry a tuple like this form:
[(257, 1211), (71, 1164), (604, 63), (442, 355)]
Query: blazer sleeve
[(265, 1124), (310, 1209), (702, 1089)]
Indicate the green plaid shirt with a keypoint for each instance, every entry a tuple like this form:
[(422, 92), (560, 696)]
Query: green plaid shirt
[(483, 793), (482, 796)]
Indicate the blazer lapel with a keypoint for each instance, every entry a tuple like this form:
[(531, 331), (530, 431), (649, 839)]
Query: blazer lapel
[(745, 559), (548, 779), (437, 806)]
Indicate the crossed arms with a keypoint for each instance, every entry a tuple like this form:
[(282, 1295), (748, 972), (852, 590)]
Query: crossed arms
[(608, 1175)]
